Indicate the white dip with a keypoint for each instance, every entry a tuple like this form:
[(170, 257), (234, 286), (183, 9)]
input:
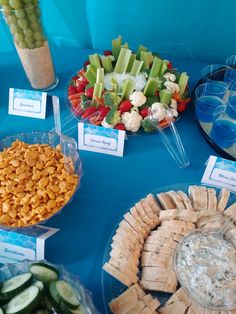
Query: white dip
[(206, 267), (140, 80)]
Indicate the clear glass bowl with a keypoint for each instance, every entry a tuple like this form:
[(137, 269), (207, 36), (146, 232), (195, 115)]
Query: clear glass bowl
[(52, 139), (207, 264), (9, 270)]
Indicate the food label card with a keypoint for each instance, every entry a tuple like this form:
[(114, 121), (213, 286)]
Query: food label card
[(220, 173), (101, 140), (27, 103), (18, 245)]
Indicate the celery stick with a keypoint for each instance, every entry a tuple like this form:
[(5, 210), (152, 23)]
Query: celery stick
[(164, 67), (116, 46), (156, 67), (136, 68), (140, 48), (127, 88), (183, 81), (126, 45), (165, 96), (144, 56), (95, 61), (151, 87), (90, 74), (131, 62), (100, 76), (107, 64), (151, 57), (115, 85), (97, 92), (122, 61)]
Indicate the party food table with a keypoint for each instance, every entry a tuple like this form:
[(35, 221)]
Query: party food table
[(110, 185)]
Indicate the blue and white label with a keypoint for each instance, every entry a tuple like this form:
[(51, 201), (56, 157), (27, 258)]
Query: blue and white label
[(27, 103), (101, 140), (18, 245), (220, 173)]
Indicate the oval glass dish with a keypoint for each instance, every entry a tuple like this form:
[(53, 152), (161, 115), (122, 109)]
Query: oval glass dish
[(204, 263), (86, 304), (43, 167)]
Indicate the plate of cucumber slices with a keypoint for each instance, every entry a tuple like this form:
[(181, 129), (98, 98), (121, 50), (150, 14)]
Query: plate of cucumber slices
[(117, 89), (42, 288)]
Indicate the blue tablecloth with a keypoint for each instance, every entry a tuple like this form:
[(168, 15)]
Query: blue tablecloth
[(110, 185)]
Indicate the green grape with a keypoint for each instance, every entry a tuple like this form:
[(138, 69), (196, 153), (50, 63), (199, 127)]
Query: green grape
[(29, 40), (15, 4), (38, 12), (32, 17), (39, 43), (36, 27), (12, 19), (38, 36), (31, 46), (22, 23), (7, 10), (19, 36), (29, 8), (3, 2), (22, 44), (27, 1), (20, 13), (35, 2), (28, 32), (15, 28)]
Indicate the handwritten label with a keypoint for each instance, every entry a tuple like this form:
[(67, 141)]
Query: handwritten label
[(22, 244), (220, 173), (27, 103), (101, 140)]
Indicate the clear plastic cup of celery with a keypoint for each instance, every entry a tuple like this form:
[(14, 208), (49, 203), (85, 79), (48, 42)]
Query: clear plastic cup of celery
[(23, 23)]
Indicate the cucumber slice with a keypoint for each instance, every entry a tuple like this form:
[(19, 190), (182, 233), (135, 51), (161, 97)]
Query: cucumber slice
[(16, 284), (62, 292), (39, 284), (44, 272), (1, 311), (24, 302)]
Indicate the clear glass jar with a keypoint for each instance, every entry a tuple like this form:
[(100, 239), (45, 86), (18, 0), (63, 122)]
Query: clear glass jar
[(23, 20)]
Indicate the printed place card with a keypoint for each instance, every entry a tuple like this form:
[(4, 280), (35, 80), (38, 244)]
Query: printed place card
[(27, 103), (18, 245), (101, 140), (220, 173)]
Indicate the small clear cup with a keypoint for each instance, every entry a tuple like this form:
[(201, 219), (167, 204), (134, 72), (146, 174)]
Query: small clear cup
[(223, 131), (205, 107), (231, 61), (230, 76), (214, 72), (217, 89)]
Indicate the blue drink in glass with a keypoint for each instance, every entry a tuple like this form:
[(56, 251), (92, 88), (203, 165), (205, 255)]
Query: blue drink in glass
[(231, 107), (205, 107), (223, 132)]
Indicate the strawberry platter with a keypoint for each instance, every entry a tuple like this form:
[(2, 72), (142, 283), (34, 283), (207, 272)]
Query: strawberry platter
[(117, 89)]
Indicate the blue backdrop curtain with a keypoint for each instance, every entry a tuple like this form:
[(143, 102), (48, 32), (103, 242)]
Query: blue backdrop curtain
[(190, 29)]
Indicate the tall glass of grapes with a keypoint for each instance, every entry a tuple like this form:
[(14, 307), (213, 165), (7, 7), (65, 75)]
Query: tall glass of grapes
[(23, 18)]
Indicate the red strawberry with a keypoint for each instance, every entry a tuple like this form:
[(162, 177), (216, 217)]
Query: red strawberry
[(84, 81), (125, 106), (89, 92), (169, 65), (86, 63), (120, 126), (143, 112), (157, 93), (80, 88), (181, 106), (107, 53)]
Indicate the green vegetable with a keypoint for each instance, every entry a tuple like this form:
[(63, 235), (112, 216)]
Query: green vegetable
[(85, 103), (44, 272), (131, 62), (112, 100), (95, 61), (136, 68), (122, 61), (100, 76), (165, 96), (115, 85), (127, 88), (140, 48), (151, 100), (107, 63), (151, 87), (16, 284), (156, 67), (90, 74), (113, 117), (148, 125), (126, 45), (144, 56), (164, 67), (116, 47), (97, 92), (183, 81)]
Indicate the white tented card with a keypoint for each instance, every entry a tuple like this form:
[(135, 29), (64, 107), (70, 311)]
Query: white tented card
[(27, 103), (22, 244), (101, 140), (220, 173)]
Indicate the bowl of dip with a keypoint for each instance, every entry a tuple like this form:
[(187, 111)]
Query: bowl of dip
[(205, 264)]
